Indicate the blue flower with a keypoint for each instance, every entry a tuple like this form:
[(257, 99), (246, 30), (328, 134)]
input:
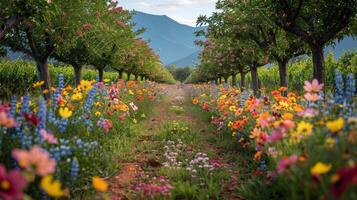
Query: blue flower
[(338, 87), (74, 170)]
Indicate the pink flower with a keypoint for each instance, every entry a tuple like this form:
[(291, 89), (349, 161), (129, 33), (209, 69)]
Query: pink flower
[(286, 162), (314, 86), (308, 112), (276, 135), (312, 97), (36, 160), (133, 106), (11, 184), (48, 137), (6, 121)]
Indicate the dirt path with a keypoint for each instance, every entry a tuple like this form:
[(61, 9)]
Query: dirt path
[(124, 181)]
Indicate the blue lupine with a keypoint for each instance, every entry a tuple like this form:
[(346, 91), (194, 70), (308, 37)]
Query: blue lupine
[(13, 103), (41, 114), (74, 170), (90, 100), (62, 125), (25, 107), (338, 87), (350, 88)]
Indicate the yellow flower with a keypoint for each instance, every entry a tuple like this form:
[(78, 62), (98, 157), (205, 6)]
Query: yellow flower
[(330, 142), (98, 113), (46, 91), (53, 187), (77, 97), (334, 178), (232, 108), (336, 125), (65, 112), (107, 80), (304, 128), (320, 168), (131, 92), (38, 84), (99, 184), (98, 103)]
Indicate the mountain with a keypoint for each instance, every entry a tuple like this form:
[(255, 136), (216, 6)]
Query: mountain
[(190, 60), (171, 40)]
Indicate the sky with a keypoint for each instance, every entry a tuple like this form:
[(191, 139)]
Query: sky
[(183, 11)]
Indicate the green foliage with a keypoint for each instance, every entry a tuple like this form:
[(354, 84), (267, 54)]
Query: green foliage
[(17, 77)]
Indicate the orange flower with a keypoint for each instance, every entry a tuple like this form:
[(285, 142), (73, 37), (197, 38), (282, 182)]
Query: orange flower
[(283, 89), (258, 156)]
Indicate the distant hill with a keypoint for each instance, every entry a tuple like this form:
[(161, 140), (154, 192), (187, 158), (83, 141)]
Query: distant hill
[(190, 60), (171, 40)]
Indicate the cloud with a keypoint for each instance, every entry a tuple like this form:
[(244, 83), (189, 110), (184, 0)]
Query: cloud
[(173, 4)]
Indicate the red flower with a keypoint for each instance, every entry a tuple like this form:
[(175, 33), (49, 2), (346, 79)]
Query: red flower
[(346, 176), (11, 184), (205, 107), (31, 119)]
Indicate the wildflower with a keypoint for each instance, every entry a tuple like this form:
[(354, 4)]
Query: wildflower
[(6, 121), (77, 97), (53, 187), (65, 113), (45, 91), (343, 178), (38, 84), (313, 86), (336, 125), (320, 168), (31, 119), (99, 184), (330, 142), (97, 113), (36, 160), (106, 80), (286, 162), (11, 184), (232, 108), (48, 137), (131, 92), (304, 128), (133, 106), (312, 97)]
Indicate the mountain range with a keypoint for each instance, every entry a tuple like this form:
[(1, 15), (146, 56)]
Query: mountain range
[(174, 42)]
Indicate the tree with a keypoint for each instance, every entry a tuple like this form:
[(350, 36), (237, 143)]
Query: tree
[(17, 11), (39, 37), (317, 23), (181, 74)]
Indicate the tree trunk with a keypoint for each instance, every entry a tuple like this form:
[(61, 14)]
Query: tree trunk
[(136, 77), (44, 73), (101, 74), (78, 74), (234, 80), (242, 80), (255, 80), (141, 78), (318, 62), (225, 79), (283, 72), (120, 74), (220, 80), (128, 78)]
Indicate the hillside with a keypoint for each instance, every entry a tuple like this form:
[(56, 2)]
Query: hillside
[(171, 40)]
